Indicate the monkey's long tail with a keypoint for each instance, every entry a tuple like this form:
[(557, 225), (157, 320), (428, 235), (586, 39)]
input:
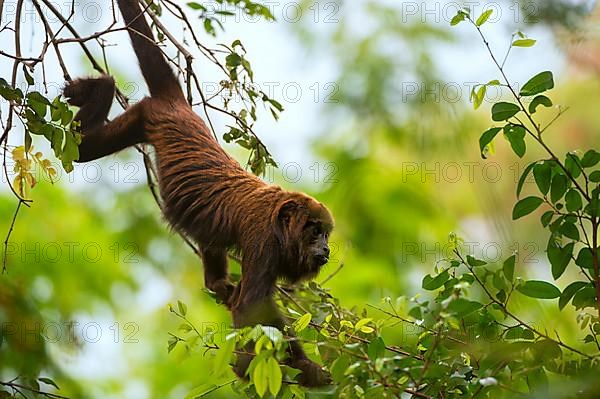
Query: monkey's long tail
[(158, 74)]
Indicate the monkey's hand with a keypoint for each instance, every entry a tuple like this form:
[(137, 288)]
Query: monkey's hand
[(312, 374), (223, 289)]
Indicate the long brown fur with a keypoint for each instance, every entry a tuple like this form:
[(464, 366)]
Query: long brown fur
[(207, 195)]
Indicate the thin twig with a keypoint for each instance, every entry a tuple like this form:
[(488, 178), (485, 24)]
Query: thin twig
[(515, 317), (7, 239), (16, 386)]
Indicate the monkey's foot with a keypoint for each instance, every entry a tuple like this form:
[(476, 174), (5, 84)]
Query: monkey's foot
[(223, 289), (312, 374), (86, 90)]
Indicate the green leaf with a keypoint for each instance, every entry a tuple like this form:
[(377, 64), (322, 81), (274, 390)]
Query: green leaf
[(559, 187), (537, 380), (503, 111), (484, 17), (276, 104), (475, 262), (573, 165), (559, 257), (585, 297), (28, 140), (302, 322), (537, 101), (195, 6), (48, 381), (28, 76), (376, 349), (248, 69), (260, 378), (458, 18), (524, 43), (595, 176), (516, 136), (362, 322), (547, 349), (569, 292), (486, 138), (542, 172), (477, 96), (56, 142), (182, 308), (433, 283), (585, 258), (569, 230), (38, 102), (10, 93), (463, 307), (526, 206), (593, 208), (297, 391), (514, 333), (66, 117), (523, 178), (518, 333), (200, 391), (57, 109), (508, 268), (547, 218), (274, 375), (233, 60), (340, 365), (70, 151), (273, 333), (539, 289), (538, 84), (573, 200), (172, 344), (590, 159), (223, 358)]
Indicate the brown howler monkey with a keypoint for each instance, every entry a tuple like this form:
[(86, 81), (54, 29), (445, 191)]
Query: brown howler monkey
[(207, 195)]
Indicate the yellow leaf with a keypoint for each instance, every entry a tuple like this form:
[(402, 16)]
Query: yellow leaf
[(367, 329), (30, 180), (18, 153), (302, 322), (275, 376), (17, 185)]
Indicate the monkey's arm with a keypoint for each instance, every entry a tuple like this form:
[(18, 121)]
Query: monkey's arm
[(94, 97)]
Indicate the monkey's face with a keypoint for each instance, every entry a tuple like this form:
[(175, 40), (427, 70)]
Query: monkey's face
[(315, 245), (304, 225)]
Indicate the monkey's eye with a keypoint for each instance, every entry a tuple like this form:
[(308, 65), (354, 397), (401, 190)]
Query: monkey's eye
[(316, 231)]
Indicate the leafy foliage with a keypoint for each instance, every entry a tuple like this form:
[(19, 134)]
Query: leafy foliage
[(462, 336), (468, 341), (50, 119)]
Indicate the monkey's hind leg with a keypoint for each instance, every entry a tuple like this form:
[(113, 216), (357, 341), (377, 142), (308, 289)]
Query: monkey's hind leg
[(94, 97), (216, 277)]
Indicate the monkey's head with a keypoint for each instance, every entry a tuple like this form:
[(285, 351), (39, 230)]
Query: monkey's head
[(302, 226)]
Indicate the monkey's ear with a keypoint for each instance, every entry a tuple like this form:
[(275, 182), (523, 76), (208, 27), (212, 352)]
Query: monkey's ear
[(288, 220)]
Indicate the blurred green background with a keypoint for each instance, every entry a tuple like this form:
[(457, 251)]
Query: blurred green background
[(92, 267)]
